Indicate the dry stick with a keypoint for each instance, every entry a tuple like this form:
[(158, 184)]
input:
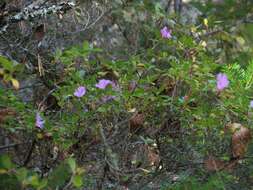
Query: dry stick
[(174, 94), (25, 87), (40, 66), (68, 184), (212, 33), (140, 76), (10, 145), (89, 24), (30, 12), (28, 156), (46, 97), (108, 151), (167, 8)]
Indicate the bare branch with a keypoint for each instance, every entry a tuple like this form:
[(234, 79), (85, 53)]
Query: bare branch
[(33, 11)]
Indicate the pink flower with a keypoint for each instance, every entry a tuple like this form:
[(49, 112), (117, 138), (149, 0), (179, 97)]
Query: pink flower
[(222, 81), (251, 104), (39, 121), (103, 83), (166, 33), (80, 91)]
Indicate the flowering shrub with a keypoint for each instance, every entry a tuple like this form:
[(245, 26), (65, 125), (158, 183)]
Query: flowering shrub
[(172, 93)]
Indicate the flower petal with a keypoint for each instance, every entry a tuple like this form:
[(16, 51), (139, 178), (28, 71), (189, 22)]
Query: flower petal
[(80, 91), (166, 33), (39, 121), (251, 104), (103, 83), (222, 81)]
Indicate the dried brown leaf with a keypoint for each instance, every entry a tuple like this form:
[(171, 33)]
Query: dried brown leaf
[(240, 141), (213, 164), (39, 32), (5, 112), (153, 156), (241, 137), (136, 122)]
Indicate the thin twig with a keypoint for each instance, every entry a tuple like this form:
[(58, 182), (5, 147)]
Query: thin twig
[(28, 156), (10, 145), (30, 12), (68, 185)]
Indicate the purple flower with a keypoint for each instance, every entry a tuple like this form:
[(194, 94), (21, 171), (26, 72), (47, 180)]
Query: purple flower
[(222, 81), (166, 33), (103, 83), (251, 104), (39, 121), (80, 91), (107, 98)]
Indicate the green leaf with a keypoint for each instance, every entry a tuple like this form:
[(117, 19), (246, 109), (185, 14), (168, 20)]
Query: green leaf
[(86, 45), (6, 64), (102, 109), (5, 162), (59, 176), (33, 180), (22, 174), (72, 164), (77, 181), (9, 182), (42, 184)]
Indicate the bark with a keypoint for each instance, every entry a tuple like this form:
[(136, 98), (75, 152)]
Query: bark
[(34, 10)]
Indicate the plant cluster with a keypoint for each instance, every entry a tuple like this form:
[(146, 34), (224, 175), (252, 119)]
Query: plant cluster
[(180, 89)]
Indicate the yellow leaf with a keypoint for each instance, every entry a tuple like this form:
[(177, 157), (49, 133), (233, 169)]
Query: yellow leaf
[(141, 65), (116, 73), (205, 21), (1, 71), (240, 40), (102, 73), (193, 29), (15, 83), (203, 44), (3, 171), (39, 136), (132, 110), (80, 171)]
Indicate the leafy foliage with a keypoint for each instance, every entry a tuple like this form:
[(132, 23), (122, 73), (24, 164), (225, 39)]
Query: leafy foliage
[(162, 90)]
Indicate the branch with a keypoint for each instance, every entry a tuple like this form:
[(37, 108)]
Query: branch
[(10, 146), (29, 153), (34, 11)]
